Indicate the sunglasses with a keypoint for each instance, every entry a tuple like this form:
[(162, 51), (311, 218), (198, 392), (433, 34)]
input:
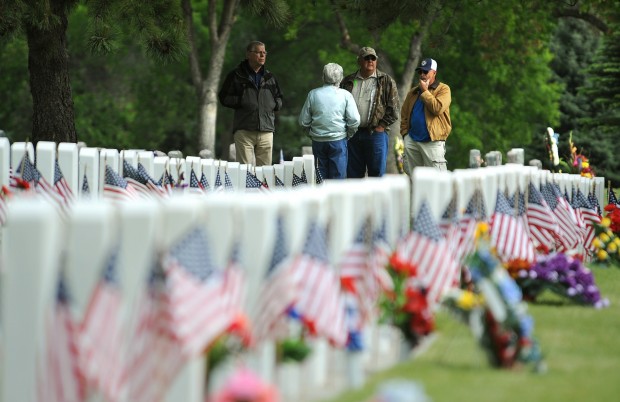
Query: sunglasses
[(370, 57), (423, 72)]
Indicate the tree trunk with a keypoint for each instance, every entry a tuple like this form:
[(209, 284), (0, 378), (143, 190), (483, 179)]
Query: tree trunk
[(206, 89), (413, 58), (48, 64)]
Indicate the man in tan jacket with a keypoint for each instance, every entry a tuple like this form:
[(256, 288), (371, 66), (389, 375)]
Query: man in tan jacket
[(425, 120)]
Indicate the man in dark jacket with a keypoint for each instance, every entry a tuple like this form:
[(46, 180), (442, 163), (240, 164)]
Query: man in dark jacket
[(376, 96), (254, 93)]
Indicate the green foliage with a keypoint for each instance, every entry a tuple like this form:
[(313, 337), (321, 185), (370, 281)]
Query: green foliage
[(599, 130), (16, 109), (292, 350)]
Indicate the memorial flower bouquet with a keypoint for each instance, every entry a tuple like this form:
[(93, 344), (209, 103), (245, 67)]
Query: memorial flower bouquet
[(500, 320), (399, 154), (407, 307), (563, 275)]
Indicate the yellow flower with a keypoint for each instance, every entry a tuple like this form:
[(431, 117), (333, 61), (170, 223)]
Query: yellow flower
[(466, 301), (602, 255), (612, 248), (617, 241), (606, 222), (597, 243), (604, 237)]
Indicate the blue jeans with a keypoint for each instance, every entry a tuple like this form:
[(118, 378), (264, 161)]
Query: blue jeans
[(331, 158), (367, 151)]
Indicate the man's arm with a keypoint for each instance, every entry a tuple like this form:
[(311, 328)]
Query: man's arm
[(392, 106), (230, 96)]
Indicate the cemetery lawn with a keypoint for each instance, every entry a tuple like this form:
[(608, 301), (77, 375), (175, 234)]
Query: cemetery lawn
[(581, 346)]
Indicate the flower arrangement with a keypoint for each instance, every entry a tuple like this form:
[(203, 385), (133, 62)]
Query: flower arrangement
[(399, 154), (407, 306), (606, 244), (563, 275), (580, 163), (495, 309)]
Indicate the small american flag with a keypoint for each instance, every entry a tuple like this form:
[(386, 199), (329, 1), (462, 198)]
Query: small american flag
[(569, 236), (319, 176), (194, 184), (252, 183), (594, 202), (167, 182), (62, 379), (61, 185), (297, 181), (115, 187), (154, 356), (197, 293), (508, 234), (30, 178), (541, 222), (279, 183), (424, 253), (589, 216), (278, 291), (204, 183), (320, 302), (85, 186), (137, 183), (612, 197), (356, 275), (101, 334)]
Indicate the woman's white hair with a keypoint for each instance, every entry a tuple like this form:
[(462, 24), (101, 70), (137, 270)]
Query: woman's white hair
[(332, 74)]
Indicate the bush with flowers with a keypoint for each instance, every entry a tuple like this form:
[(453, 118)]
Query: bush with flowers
[(606, 244), (563, 275)]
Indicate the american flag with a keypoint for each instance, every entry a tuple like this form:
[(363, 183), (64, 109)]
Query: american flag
[(594, 202), (252, 183), (194, 184), (589, 216), (278, 291), (101, 334), (569, 236), (85, 186), (508, 233), (235, 288), (137, 183), (612, 197), (541, 222), (449, 225), (61, 379), (115, 187), (426, 250), (167, 182), (218, 182), (154, 357), (204, 184), (141, 181), (356, 275), (279, 183), (319, 176), (320, 302), (297, 181), (197, 293), (30, 178), (380, 258), (62, 187)]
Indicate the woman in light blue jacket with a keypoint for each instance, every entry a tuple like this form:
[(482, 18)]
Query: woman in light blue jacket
[(330, 117)]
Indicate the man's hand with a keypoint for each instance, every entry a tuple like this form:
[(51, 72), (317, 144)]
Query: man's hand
[(423, 85)]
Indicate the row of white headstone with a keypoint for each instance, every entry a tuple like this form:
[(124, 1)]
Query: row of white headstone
[(35, 238), (79, 163)]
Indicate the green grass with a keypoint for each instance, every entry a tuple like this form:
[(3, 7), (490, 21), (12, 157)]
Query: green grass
[(581, 346)]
